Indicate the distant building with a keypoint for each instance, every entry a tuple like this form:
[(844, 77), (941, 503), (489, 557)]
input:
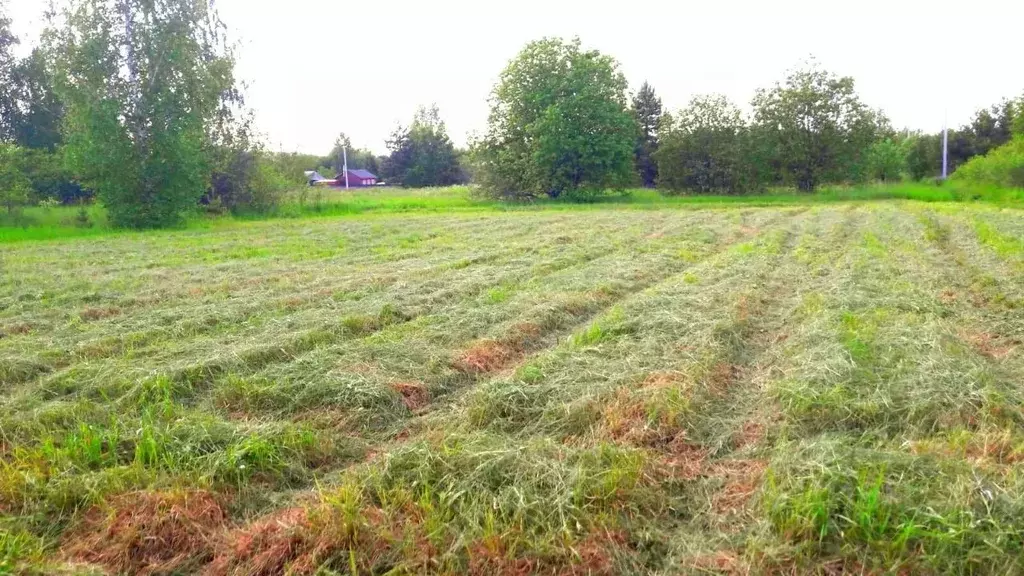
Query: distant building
[(316, 179), (358, 178)]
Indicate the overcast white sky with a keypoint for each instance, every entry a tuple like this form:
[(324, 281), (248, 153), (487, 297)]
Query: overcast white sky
[(320, 67)]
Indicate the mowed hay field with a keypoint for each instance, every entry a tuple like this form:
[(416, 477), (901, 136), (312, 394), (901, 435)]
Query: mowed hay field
[(831, 388)]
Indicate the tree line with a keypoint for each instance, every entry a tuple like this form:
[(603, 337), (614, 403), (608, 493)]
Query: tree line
[(136, 102), (561, 124)]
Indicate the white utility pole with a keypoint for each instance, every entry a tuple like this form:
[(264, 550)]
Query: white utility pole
[(945, 146), (344, 154)]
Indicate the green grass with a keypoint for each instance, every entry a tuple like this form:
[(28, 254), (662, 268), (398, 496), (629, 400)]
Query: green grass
[(767, 385), (35, 223)]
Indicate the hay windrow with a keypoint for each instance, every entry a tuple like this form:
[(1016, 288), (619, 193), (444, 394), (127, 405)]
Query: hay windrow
[(811, 389), (148, 532)]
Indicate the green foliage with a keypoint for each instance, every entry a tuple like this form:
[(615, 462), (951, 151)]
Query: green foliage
[(37, 122), (292, 165), (8, 101), (15, 187), (990, 128), (924, 156), (30, 112), (1017, 121), (887, 160), (422, 154), (250, 181), (144, 85), (50, 178), (704, 149), (558, 125), (813, 128), (266, 188), (231, 181), (647, 111), (1003, 166)]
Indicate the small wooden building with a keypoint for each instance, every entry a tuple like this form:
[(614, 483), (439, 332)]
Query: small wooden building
[(358, 178)]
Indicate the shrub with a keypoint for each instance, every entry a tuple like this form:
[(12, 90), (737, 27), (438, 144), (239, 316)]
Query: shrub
[(247, 181), (266, 188), (1003, 166), (230, 181)]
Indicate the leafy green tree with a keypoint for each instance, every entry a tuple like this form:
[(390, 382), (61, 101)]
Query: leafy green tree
[(38, 122), (647, 111), (145, 85), (422, 154), (558, 125), (813, 128), (887, 160), (704, 149), (15, 187)]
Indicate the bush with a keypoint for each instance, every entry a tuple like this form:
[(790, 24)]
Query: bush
[(230, 181), (266, 188), (245, 182), (1002, 166)]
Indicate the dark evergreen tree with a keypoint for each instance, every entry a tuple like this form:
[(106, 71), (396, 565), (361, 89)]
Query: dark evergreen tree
[(647, 110)]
